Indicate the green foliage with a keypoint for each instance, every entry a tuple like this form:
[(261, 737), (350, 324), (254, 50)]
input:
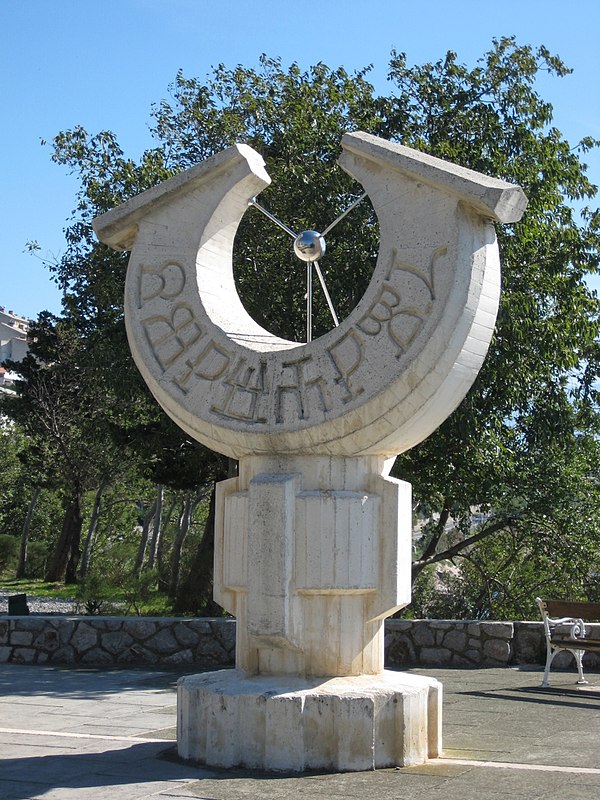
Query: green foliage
[(194, 594), (122, 593), (38, 588), (38, 553), (95, 595), (9, 552), (501, 577), (522, 448), (140, 593), (12, 444), (22, 480), (58, 409)]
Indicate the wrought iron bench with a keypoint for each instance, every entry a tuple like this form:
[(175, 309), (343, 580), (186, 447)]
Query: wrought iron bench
[(564, 628)]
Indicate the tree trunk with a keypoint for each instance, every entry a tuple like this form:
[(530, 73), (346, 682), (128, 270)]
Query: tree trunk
[(195, 593), (164, 569), (75, 551), (139, 559), (25, 534), (92, 531), (63, 562), (154, 541), (182, 531)]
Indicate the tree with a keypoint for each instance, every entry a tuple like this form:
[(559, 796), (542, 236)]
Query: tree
[(28, 506), (509, 460), (190, 502), (12, 477), (59, 408), (25, 531), (522, 447)]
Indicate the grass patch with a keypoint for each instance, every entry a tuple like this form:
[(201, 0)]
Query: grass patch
[(95, 597), (38, 587)]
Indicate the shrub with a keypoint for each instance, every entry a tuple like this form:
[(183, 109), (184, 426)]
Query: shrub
[(94, 595), (9, 553)]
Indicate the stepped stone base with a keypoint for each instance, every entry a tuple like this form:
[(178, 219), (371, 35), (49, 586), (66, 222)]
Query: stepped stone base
[(229, 719)]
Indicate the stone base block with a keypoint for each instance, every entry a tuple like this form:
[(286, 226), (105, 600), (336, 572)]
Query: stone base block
[(229, 719)]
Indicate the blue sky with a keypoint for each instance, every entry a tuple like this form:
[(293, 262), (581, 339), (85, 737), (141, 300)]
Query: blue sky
[(103, 64)]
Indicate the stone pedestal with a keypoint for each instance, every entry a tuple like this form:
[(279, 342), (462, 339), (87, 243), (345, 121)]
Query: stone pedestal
[(312, 553), (230, 719)]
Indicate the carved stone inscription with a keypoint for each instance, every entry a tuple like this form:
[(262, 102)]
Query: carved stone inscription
[(299, 391), (244, 387), (256, 388)]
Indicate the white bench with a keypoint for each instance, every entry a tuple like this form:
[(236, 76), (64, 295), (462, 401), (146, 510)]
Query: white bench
[(564, 629)]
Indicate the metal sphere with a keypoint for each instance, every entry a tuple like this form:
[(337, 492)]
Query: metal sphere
[(309, 246)]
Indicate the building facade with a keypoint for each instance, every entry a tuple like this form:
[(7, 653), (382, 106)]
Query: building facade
[(13, 343)]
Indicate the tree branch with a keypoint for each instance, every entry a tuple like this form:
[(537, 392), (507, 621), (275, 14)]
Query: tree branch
[(460, 546), (437, 534)]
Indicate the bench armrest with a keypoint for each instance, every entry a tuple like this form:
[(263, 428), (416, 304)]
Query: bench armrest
[(567, 627), (572, 628)]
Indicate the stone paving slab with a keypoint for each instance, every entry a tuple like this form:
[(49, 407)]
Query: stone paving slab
[(108, 735)]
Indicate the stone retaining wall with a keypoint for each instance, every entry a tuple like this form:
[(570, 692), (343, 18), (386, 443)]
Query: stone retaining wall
[(449, 643), (118, 641)]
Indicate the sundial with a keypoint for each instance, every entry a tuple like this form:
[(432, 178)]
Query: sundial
[(313, 538), (388, 374)]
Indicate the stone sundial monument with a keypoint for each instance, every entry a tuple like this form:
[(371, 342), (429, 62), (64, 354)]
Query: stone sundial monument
[(313, 538)]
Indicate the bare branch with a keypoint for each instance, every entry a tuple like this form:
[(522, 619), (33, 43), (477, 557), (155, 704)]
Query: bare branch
[(459, 547)]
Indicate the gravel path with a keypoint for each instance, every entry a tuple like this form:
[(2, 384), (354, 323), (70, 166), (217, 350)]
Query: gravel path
[(39, 605)]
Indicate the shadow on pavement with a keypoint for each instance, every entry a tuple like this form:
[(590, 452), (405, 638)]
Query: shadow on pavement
[(543, 696), (31, 776), (87, 682)]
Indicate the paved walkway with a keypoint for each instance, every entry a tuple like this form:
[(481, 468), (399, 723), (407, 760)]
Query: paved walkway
[(105, 735)]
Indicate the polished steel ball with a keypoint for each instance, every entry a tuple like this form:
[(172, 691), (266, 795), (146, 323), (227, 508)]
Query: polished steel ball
[(309, 246)]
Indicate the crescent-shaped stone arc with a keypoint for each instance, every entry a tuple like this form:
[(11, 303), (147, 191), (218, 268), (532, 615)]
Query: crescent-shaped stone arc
[(379, 383)]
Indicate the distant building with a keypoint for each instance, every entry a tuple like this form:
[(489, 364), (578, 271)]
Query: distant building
[(13, 343)]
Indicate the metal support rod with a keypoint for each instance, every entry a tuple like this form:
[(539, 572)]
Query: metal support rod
[(252, 202), (309, 310), (336, 321), (343, 214), (309, 264)]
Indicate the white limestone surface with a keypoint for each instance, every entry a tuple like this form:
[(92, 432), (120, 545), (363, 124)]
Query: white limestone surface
[(379, 383), (312, 553), (229, 719)]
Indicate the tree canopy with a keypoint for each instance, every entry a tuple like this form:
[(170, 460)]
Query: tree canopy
[(517, 463)]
